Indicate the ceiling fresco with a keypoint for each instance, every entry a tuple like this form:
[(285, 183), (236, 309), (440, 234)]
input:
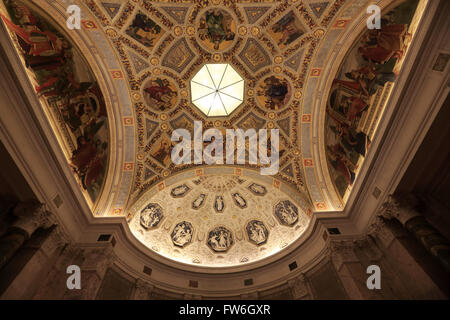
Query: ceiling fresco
[(308, 68), (360, 91), (72, 96)]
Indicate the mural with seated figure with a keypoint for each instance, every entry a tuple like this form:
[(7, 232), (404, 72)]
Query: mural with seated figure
[(63, 79), (360, 93)]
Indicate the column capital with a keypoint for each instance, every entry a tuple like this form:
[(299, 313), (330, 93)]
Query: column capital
[(342, 252), (301, 278), (298, 286), (377, 225), (57, 239), (380, 229), (342, 248), (400, 207), (31, 216)]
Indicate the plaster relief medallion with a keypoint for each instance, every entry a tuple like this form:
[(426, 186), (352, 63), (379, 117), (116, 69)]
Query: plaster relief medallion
[(151, 216), (274, 93), (145, 30), (160, 94), (286, 212), (199, 201), (220, 239), (216, 29), (219, 204), (239, 200), (180, 191), (287, 30), (257, 189), (182, 234), (257, 232)]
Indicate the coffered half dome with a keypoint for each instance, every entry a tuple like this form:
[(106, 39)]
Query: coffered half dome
[(218, 219)]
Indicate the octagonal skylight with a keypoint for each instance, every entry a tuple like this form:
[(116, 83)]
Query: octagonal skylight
[(217, 89)]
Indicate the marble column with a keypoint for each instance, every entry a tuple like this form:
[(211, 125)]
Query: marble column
[(349, 268), (403, 209), (299, 288), (32, 276), (94, 262), (406, 277), (54, 283), (30, 216)]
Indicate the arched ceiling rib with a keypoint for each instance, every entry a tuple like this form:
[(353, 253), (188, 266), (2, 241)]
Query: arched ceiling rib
[(145, 54)]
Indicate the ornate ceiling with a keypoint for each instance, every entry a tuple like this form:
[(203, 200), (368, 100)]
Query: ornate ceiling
[(116, 90), (218, 220)]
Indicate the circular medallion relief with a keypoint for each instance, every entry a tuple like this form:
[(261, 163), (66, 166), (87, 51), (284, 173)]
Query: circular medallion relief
[(257, 232), (151, 215), (160, 94), (273, 93), (220, 239), (286, 212), (216, 29), (182, 234)]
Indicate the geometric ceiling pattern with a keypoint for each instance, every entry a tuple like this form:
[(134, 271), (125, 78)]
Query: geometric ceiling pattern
[(280, 50), (177, 50), (309, 68)]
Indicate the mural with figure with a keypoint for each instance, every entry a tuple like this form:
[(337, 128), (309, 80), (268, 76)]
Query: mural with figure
[(216, 29), (257, 189), (62, 77), (180, 191), (287, 30), (219, 204), (360, 91), (160, 94), (274, 93), (144, 30)]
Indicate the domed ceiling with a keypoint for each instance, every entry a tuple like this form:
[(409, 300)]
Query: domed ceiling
[(219, 219), (310, 69)]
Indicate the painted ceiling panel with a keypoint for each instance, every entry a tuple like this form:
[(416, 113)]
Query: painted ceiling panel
[(288, 65)]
